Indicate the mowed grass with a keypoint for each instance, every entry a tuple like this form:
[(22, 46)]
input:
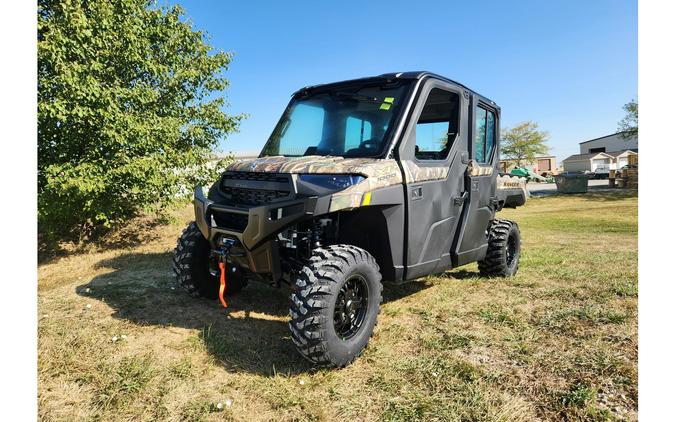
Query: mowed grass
[(118, 340)]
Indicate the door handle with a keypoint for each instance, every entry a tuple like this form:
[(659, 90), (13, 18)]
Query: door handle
[(459, 201), (416, 193)]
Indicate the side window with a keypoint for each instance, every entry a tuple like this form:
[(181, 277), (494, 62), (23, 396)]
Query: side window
[(484, 140), (436, 127), (356, 131)]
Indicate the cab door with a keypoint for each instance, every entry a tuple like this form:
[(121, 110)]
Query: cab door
[(434, 157), (481, 182)]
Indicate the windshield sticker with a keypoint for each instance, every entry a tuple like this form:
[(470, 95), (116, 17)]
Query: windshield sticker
[(388, 101)]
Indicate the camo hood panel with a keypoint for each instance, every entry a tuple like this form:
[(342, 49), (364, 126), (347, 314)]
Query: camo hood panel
[(379, 173), (313, 164), (386, 171)]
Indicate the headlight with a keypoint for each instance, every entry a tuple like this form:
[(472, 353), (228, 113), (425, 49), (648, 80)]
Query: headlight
[(324, 183)]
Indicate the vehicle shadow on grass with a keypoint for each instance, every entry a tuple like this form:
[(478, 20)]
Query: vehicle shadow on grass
[(251, 335), (461, 274)]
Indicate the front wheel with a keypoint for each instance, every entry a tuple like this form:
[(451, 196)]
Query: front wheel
[(503, 254), (335, 305)]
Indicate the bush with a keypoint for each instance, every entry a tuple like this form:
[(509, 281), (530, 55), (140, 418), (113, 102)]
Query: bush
[(127, 116)]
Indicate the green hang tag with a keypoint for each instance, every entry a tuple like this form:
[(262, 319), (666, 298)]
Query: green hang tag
[(389, 100), (385, 106)]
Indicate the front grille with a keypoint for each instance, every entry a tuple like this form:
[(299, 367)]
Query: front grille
[(245, 196), (254, 189), (262, 177)]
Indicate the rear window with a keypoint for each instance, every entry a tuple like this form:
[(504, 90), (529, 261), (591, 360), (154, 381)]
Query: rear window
[(484, 140)]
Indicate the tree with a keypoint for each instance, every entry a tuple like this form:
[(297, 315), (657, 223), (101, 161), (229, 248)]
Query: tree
[(628, 126), (127, 116), (523, 143)]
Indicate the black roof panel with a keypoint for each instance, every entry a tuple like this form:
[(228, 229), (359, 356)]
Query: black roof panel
[(402, 75)]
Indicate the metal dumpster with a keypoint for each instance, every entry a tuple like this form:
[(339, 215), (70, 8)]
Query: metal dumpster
[(571, 183)]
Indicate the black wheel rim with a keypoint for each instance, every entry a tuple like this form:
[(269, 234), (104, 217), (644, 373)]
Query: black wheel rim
[(351, 306), (511, 251)]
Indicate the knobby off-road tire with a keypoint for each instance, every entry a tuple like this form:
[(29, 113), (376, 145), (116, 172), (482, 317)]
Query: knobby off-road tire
[(503, 255), (333, 274), (191, 266)]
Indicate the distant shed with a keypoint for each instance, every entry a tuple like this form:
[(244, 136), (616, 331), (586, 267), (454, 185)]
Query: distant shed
[(596, 162)]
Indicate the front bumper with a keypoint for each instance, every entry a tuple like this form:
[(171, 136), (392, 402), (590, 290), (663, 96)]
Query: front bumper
[(257, 237)]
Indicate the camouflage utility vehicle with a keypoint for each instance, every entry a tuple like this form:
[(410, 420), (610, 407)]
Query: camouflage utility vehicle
[(392, 177)]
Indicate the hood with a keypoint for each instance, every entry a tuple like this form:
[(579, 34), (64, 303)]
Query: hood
[(379, 173), (313, 164)]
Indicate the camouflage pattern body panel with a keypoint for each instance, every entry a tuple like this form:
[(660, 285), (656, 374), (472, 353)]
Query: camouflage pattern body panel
[(511, 182), (415, 173), (379, 173), (474, 169), (386, 171)]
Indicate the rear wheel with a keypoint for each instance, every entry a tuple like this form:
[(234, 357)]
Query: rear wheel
[(503, 255), (335, 305), (192, 266)]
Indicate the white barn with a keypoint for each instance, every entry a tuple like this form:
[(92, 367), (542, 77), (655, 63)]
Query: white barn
[(609, 143)]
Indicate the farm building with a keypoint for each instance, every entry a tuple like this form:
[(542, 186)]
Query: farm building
[(609, 143), (598, 162), (600, 155)]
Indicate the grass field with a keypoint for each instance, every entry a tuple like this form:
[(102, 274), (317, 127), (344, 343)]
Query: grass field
[(119, 341)]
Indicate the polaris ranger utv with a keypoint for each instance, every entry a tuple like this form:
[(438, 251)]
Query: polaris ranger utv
[(391, 177)]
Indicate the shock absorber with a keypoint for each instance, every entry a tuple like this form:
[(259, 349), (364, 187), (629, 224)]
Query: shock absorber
[(315, 236)]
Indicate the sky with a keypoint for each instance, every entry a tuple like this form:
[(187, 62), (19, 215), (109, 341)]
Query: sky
[(567, 65)]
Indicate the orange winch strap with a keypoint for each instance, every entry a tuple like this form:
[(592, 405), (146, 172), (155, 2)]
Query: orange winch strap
[(223, 285)]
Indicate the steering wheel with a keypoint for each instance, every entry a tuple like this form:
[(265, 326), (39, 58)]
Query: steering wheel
[(369, 143)]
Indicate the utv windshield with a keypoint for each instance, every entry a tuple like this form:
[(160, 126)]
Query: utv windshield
[(346, 121)]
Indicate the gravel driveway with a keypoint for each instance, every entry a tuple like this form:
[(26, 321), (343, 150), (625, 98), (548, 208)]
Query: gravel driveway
[(548, 188)]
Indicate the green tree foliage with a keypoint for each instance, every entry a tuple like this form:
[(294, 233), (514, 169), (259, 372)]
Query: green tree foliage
[(523, 143), (629, 124), (127, 116)]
